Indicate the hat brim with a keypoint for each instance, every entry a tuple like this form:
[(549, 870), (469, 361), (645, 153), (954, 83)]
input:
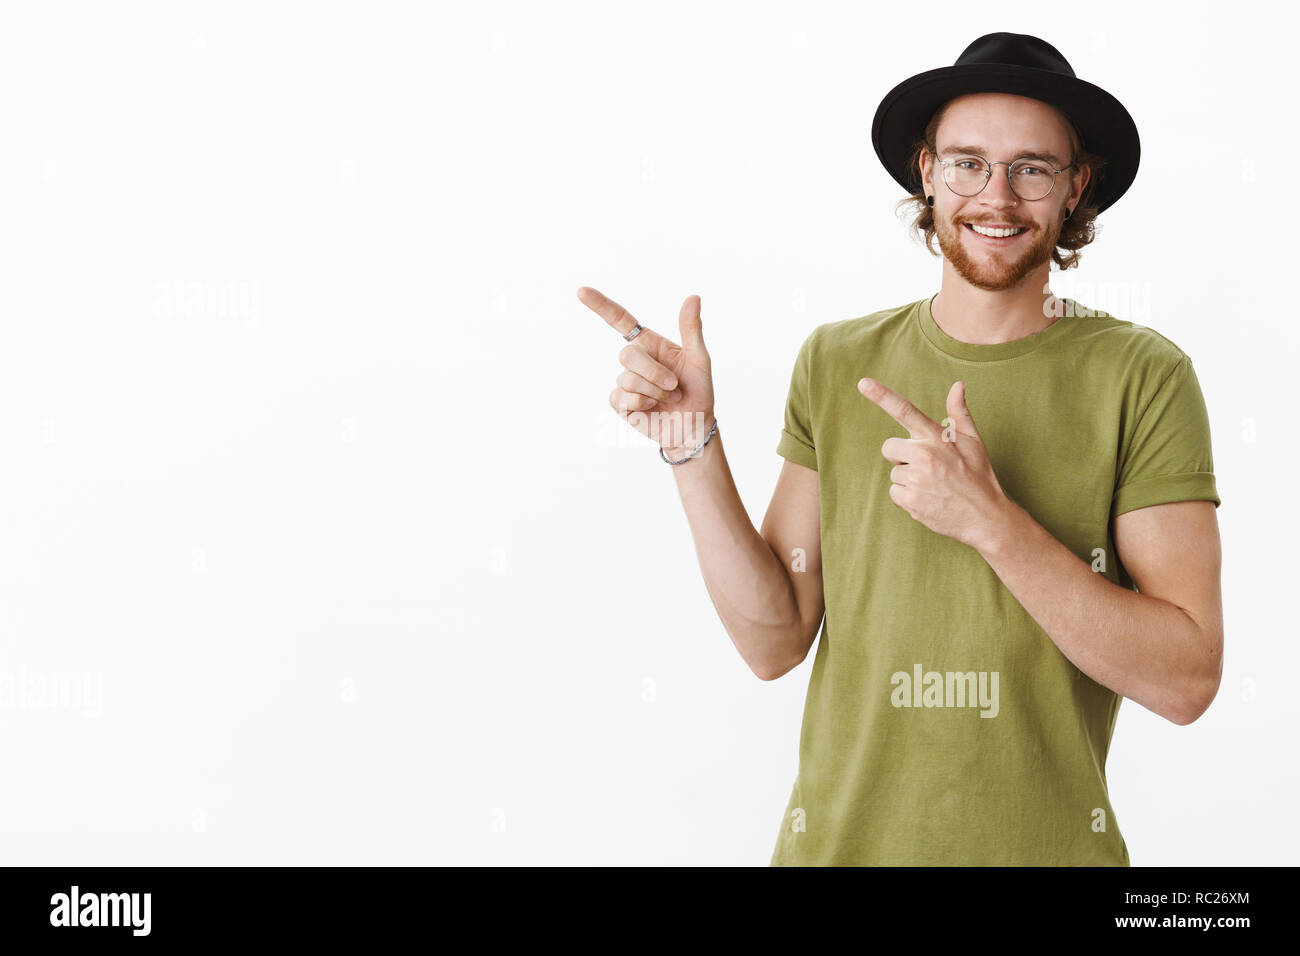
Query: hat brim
[(1103, 122)]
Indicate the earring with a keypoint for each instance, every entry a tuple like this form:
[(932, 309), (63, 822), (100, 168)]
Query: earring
[(929, 201)]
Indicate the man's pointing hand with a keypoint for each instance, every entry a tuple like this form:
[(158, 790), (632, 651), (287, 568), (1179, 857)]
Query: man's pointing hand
[(942, 475)]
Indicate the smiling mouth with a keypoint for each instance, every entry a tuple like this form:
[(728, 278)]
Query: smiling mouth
[(1020, 230)]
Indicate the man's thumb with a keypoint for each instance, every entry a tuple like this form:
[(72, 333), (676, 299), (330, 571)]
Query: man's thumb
[(960, 412), (688, 322)]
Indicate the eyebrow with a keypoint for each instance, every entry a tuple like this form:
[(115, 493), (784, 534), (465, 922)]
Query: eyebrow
[(1026, 154)]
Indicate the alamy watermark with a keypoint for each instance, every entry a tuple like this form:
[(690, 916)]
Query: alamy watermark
[(923, 688), (182, 298), (674, 429), (1126, 301), (24, 689), (76, 908)]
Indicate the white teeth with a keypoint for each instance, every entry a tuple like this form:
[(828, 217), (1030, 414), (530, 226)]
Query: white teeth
[(996, 233)]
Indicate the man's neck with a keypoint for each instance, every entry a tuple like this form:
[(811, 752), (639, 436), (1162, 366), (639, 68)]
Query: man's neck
[(980, 317)]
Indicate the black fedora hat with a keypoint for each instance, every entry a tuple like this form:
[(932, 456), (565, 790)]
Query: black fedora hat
[(1019, 64)]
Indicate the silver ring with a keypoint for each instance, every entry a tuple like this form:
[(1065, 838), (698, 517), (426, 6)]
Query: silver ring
[(634, 333)]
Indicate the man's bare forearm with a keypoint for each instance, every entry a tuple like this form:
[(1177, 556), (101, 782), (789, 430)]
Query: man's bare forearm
[(749, 586), (1139, 646)]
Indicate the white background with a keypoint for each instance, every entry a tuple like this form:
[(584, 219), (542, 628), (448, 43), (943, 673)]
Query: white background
[(311, 490)]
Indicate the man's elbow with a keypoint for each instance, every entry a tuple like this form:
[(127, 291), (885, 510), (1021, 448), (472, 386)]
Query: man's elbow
[(1197, 701), (784, 655), (771, 670), (1189, 714)]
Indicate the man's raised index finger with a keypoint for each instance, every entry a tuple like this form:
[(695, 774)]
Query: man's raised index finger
[(917, 423), (619, 318)]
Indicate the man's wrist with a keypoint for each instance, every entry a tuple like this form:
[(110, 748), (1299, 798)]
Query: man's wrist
[(690, 436), (1004, 531)]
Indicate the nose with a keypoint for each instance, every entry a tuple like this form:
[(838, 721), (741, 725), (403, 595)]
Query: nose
[(997, 192)]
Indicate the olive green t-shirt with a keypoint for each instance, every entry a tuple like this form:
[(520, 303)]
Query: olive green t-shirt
[(942, 726)]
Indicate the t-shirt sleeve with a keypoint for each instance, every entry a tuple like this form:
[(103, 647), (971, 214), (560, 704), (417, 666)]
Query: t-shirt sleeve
[(1167, 456), (796, 442)]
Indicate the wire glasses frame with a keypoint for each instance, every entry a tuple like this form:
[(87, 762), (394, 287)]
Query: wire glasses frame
[(988, 174)]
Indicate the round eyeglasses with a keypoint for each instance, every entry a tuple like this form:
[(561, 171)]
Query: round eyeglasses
[(1030, 179)]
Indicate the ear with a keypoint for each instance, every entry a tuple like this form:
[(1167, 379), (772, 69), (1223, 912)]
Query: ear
[(1079, 179), (924, 160)]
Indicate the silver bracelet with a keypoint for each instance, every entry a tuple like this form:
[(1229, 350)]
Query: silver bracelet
[(698, 449)]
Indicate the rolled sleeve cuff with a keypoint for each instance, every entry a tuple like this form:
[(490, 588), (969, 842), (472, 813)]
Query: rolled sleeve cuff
[(796, 450), (1189, 486)]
